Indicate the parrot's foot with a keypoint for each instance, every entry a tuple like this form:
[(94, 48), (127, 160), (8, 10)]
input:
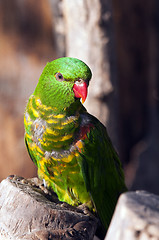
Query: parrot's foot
[(64, 204), (75, 208), (85, 209)]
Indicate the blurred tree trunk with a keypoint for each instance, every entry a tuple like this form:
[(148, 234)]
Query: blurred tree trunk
[(58, 27), (148, 160), (89, 37), (131, 28), (137, 40)]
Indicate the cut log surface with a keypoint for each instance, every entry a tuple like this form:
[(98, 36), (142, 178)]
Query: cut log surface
[(29, 211), (136, 217)]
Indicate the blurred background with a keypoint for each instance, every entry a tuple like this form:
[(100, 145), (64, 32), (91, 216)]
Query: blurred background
[(119, 40)]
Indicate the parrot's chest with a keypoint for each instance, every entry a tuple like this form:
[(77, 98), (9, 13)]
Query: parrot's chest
[(53, 143)]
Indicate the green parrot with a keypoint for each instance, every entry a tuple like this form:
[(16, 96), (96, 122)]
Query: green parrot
[(71, 148)]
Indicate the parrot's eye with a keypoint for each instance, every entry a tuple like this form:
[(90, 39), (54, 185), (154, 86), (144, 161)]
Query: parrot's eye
[(59, 76)]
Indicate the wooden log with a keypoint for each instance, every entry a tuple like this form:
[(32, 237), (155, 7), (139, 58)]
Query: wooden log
[(29, 212), (136, 217)]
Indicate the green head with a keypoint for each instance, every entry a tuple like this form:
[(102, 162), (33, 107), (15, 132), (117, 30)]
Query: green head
[(62, 82)]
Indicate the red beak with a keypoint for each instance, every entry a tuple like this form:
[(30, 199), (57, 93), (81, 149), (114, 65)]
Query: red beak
[(80, 90)]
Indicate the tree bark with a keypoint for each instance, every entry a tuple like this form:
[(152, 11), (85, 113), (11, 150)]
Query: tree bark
[(136, 217), (27, 212)]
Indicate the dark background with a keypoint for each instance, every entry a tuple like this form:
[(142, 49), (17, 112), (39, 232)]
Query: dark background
[(30, 37)]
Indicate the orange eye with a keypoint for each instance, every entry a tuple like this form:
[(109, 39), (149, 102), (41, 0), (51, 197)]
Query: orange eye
[(59, 77)]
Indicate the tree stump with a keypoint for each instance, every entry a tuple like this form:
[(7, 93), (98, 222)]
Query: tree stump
[(136, 217), (29, 211)]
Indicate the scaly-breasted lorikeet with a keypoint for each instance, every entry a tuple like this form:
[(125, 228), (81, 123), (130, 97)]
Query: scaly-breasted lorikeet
[(70, 147)]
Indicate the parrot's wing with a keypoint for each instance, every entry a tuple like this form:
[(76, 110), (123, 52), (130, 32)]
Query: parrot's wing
[(101, 169)]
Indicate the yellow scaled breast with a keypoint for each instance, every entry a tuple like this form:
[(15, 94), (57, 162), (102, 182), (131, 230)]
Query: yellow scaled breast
[(51, 141)]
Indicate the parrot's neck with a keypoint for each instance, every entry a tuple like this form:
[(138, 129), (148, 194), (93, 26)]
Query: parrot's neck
[(60, 128)]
